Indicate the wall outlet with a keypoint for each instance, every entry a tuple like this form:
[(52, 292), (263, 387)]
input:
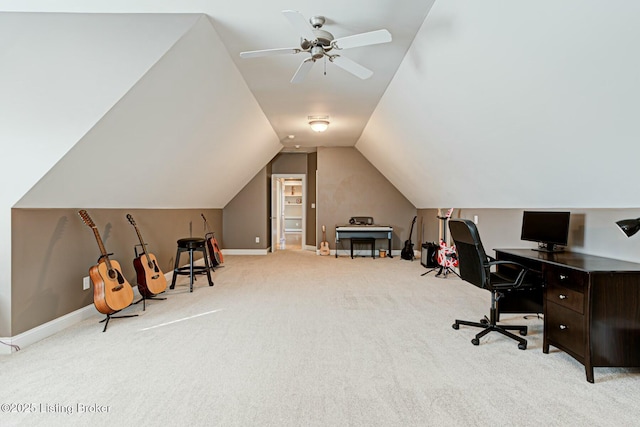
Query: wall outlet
[(257, 239), (86, 283)]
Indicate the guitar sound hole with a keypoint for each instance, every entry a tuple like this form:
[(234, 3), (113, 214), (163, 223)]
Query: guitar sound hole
[(112, 274)]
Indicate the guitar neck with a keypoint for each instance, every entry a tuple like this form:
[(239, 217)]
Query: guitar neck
[(144, 247), (103, 251)]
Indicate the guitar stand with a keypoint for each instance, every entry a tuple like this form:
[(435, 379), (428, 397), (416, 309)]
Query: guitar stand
[(110, 316), (441, 270), (144, 303)]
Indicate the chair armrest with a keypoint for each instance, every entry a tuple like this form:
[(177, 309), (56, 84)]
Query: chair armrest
[(523, 270)]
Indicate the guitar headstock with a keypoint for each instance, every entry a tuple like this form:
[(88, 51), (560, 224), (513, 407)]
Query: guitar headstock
[(86, 218), (130, 218)]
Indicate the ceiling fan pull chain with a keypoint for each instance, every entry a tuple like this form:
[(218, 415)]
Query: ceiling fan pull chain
[(325, 65)]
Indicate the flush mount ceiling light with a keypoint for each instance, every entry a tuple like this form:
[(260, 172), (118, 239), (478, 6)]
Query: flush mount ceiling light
[(319, 123)]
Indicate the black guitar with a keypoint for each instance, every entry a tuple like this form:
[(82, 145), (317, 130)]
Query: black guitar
[(407, 251)]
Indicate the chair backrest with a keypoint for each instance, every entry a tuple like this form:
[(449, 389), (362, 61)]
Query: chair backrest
[(472, 258)]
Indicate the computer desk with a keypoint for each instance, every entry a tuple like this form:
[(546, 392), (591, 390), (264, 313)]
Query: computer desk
[(591, 306)]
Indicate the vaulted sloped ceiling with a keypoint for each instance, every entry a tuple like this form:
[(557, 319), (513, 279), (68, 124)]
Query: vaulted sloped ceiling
[(512, 104), (189, 119)]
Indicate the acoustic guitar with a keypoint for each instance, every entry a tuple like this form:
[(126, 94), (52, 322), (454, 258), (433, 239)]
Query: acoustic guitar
[(215, 254), (151, 280), (111, 291), (407, 251), (324, 245)]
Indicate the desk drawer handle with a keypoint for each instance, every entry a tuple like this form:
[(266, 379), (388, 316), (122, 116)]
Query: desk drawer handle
[(563, 327), (563, 277), (561, 296)]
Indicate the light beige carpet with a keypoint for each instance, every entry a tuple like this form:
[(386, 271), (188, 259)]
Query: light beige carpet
[(295, 339)]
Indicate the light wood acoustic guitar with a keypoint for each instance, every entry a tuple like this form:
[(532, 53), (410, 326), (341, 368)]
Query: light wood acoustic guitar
[(151, 280), (111, 291), (324, 245)]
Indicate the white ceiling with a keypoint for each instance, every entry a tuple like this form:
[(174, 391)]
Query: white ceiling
[(256, 24)]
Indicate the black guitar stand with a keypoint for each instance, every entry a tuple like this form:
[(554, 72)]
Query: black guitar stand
[(111, 316), (144, 298), (442, 270)]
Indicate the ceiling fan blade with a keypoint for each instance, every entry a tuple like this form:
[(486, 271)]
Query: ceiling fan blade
[(300, 23), (364, 39), (269, 52), (302, 71), (351, 66)]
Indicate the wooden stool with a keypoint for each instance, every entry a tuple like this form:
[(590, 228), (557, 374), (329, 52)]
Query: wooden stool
[(364, 240), (191, 244)]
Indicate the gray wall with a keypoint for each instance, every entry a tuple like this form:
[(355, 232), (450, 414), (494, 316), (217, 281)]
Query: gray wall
[(592, 231), (348, 185), (53, 249), (312, 166), (246, 216)]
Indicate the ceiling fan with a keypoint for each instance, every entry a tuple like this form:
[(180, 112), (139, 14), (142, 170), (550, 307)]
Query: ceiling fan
[(320, 43)]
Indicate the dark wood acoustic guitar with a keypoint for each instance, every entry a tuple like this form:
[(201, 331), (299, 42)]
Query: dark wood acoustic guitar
[(151, 280), (407, 251), (215, 254), (111, 291)]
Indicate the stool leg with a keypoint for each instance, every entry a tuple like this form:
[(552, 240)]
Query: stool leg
[(175, 270), (190, 270)]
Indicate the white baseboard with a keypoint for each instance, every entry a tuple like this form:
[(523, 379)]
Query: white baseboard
[(245, 252), (47, 329), (56, 325)]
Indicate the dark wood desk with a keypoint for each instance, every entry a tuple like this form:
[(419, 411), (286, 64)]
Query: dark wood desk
[(591, 306)]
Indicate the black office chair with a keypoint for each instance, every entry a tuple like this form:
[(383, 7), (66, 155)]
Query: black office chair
[(475, 268)]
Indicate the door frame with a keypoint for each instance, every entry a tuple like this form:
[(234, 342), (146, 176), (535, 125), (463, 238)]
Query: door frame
[(277, 205)]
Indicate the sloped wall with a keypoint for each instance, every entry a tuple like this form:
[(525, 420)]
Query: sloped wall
[(178, 138), (169, 141), (56, 87), (502, 104)]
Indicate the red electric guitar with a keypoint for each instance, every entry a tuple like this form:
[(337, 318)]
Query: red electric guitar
[(447, 257)]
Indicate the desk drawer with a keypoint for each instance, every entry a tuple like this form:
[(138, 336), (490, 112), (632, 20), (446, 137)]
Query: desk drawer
[(565, 328), (566, 297), (566, 278)]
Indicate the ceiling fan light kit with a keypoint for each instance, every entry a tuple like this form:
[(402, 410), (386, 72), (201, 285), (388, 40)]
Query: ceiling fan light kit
[(318, 43)]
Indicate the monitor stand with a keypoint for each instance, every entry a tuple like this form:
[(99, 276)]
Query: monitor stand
[(549, 248)]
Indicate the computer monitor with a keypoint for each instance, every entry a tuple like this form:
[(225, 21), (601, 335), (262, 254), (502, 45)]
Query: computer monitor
[(547, 228)]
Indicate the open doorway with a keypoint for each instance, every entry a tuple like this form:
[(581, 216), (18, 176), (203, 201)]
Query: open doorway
[(288, 212)]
